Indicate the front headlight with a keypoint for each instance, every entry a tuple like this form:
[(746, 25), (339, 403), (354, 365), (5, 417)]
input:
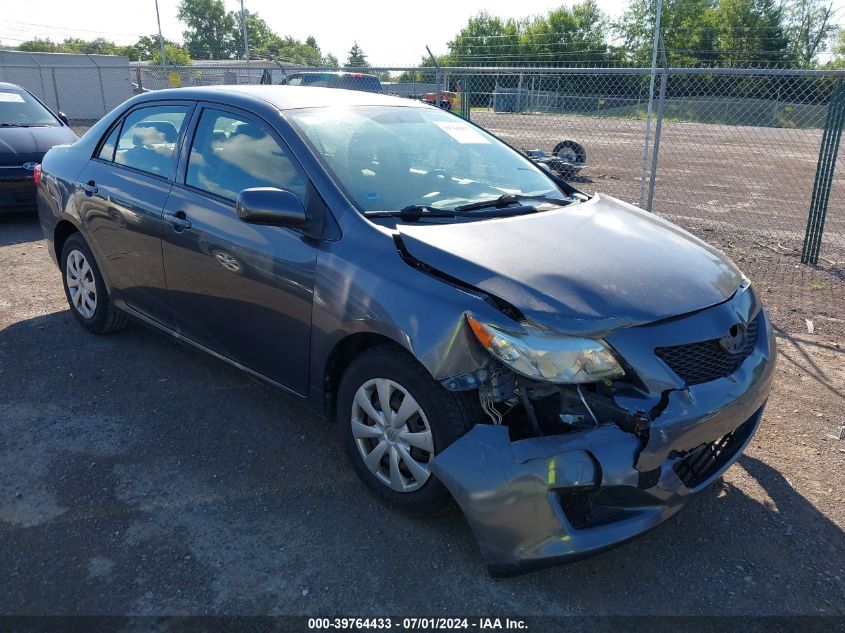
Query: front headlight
[(558, 359)]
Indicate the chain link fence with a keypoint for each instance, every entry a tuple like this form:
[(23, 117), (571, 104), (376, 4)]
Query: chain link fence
[(735, 156)]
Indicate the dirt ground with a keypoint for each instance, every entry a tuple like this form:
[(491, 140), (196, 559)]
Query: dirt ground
[(142, 477)]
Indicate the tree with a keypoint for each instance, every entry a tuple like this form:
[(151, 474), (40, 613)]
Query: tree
[(750, 32), (212, 32), (357, 58), (809, 26), (329, 60), (685, 26), (39, 45), (486, 40), (147, 48), (98, 46), (292, 50), (173, 54), (143, 49), (576, 35), (263, 41)]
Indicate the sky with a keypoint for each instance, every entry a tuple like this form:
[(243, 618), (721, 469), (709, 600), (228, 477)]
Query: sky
[(391, 32)]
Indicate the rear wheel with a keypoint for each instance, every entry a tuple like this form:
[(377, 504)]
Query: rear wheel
[(395, 418), (85, 289)]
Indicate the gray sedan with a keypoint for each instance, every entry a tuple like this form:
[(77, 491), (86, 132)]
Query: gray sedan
[(568, 368)]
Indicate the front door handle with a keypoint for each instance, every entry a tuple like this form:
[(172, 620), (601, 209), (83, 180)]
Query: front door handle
[(90, 187), (178, 221)]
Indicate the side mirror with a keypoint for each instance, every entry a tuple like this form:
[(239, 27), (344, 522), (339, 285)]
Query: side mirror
[(268, 205), (63, 118)]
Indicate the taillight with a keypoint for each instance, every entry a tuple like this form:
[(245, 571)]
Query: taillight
[(36, 173)]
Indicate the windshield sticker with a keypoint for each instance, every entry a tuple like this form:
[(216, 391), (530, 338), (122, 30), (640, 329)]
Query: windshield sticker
[(11, 97), (461, 132)]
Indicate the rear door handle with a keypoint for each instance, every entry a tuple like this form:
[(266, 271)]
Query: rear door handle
[(90, 187), (178, 221)]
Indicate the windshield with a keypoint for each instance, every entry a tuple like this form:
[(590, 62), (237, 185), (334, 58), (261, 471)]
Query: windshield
[(390, 157), (20, 109)]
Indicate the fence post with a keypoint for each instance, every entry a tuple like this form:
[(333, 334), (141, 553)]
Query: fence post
[(102, 86), (56, 89), (824, 174), (657, 17), (657, 130)]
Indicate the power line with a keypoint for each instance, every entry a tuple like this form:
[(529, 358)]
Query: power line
[(71, 29)]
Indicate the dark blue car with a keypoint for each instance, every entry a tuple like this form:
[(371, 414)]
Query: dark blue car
[(570, 369), (27, 130)]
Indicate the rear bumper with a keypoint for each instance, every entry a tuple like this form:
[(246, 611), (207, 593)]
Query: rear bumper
[(551, 499)]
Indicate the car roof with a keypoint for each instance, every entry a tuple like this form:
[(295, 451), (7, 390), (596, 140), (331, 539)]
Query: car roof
[(7, 86), (284, 97)]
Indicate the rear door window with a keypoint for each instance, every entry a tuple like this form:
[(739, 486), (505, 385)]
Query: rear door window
[(107, 149), (148, 138)]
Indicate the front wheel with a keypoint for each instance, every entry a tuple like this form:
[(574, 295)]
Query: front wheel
[(395, 418)]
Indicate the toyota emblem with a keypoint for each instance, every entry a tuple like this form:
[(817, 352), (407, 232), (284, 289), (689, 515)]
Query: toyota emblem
[(734, 341)]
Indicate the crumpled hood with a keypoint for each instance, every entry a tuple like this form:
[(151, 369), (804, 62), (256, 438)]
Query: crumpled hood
[(19, 145), (583, 269)]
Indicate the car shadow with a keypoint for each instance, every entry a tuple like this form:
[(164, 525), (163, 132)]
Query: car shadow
[(19, 228), (141, 476)]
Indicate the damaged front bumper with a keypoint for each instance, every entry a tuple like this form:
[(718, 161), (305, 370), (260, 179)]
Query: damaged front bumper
[(548, 499)]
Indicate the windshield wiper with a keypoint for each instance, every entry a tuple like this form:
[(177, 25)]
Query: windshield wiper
[(22, 125), (412, 213), (509, 199)]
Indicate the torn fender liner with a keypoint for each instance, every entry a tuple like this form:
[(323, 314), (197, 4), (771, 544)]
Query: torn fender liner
[(506, 490)]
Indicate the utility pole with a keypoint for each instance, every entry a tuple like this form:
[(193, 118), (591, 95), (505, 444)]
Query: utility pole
[(244, 27), (160, 38)]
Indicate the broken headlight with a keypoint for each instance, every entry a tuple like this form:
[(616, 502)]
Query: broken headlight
[(548, 358)]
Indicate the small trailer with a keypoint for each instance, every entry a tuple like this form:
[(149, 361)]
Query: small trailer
[(567, 158)]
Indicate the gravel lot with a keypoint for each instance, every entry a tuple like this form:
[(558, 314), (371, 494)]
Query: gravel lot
[(142, 477)]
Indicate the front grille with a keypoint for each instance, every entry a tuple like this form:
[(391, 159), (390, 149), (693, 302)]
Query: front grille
[(701, 463), (695, 363)]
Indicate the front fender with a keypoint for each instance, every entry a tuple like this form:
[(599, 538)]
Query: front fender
[(364, 286)]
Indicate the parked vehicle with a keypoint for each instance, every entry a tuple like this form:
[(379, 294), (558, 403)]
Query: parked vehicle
[(27, 130), (569, 368), (348, 81), (448, 99)]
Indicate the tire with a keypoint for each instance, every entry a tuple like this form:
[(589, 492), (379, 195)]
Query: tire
[(94, 311), (567, 151), (445, 415)]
